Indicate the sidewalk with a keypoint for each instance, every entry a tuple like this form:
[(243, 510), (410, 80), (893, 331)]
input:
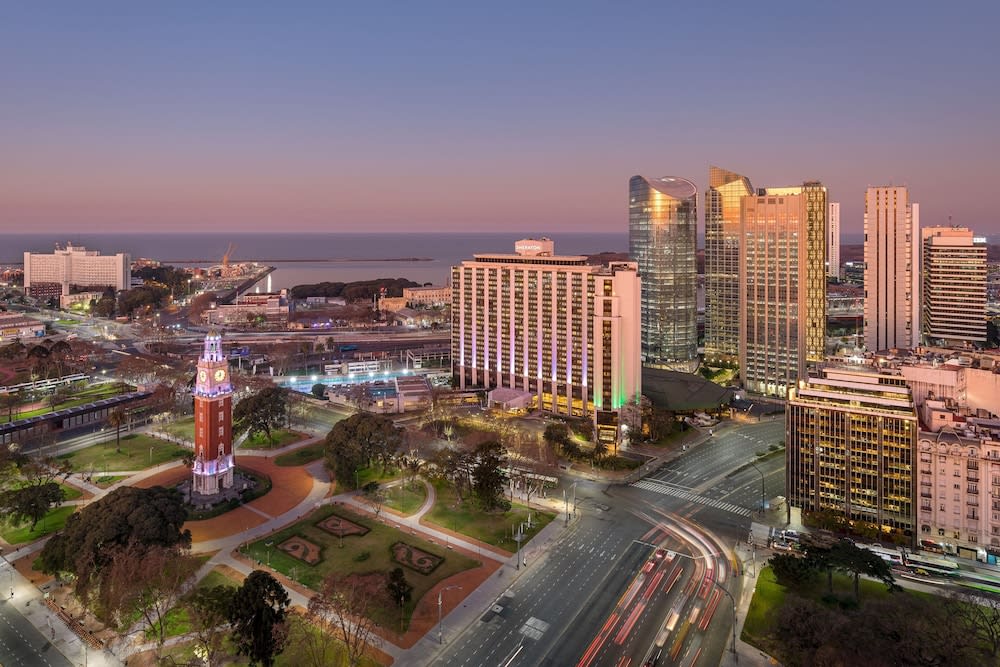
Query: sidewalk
[(745, 653)]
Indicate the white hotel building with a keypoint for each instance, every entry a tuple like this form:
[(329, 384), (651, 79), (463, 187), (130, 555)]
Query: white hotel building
[(552, 327), (75, 266)]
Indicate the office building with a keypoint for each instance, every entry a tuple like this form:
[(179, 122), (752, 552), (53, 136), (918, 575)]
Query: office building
[(552, 326), (953, 298), (663, 225), (723, 199), (782, 277), (72, 268), (851, 437), (833, 240), (892, 260)]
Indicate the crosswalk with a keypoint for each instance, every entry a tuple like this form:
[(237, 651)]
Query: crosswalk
[(657, 486)]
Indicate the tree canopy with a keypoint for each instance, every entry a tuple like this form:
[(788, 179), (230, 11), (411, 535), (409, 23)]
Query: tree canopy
[(257, 615), (147, 517), (262, 411), (360, 440)]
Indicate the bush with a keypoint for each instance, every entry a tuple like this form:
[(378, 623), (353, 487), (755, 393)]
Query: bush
[(363, 556)]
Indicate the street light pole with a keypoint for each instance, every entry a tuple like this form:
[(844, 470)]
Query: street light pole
[(440, 630), (736, 657), (761, 486)]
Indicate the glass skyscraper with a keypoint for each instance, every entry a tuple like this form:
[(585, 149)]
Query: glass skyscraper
[(722, 264), (663, 221)]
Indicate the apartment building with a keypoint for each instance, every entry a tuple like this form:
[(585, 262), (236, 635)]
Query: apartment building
[(953, 286), (892, 261)]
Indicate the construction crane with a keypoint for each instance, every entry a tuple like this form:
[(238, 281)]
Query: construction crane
[(225, 258)]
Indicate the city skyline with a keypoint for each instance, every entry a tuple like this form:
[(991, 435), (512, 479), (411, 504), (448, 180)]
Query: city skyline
[(457, 119)]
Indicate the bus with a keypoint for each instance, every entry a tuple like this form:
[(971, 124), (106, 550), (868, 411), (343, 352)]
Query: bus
[(924, 564), (890, 555)]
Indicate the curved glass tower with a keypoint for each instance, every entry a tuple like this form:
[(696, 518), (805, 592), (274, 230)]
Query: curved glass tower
[(663, 222)]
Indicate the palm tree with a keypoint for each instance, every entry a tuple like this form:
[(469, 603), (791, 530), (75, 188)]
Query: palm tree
[(116, 418)]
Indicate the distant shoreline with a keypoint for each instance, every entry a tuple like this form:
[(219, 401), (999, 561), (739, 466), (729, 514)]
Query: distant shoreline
[(318, 260)]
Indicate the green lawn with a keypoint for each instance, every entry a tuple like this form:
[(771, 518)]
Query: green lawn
[(300, 456), (78, 397), (70, 492), (281, 437), (138, 452), (368, 553), (292, 656), (177, 621), (488, 527), (407, 498), (182, 428), (769, 596), (50, 523)]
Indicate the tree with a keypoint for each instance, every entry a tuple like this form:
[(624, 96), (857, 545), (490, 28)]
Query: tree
[(116, 419), (261, 412), (360, 439), (792, 571), (979, 617), (149, 517), (398, 588), (32, 502), (208, 614), (375, 497), (319, 390), (556, 434), (257, 616), (488, 478), (144, 579), (349, 602)]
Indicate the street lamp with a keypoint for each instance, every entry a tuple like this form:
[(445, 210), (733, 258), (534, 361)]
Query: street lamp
[(440, 631), (761, 485), (10, 571)]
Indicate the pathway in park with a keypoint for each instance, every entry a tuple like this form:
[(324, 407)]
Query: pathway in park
[(297, 491)]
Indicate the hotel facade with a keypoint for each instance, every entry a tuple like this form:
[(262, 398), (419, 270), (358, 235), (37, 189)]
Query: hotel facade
[(552, 326), (74, 266)]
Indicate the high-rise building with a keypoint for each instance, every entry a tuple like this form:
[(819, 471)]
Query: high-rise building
[(553, 327), (892, 260), (833, 240), (663, 225), (214, 460), (953, 297), (725, 192), (851, 438), (74, 266), (782, 272)]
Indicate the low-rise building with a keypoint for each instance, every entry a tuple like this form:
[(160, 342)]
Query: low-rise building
[(428, 295), (14, 326), (267, 307)]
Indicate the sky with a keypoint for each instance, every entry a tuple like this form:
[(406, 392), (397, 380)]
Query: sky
[(386, 116)]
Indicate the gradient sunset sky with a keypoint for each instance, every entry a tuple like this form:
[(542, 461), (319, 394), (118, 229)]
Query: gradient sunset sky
[(386, 116)]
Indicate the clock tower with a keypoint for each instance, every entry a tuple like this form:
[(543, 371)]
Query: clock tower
[(213, 421)]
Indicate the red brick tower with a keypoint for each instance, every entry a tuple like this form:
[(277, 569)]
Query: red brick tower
[(213, 420)]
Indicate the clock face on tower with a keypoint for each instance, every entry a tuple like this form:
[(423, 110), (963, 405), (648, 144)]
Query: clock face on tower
[(202, 375), (220, 375)]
